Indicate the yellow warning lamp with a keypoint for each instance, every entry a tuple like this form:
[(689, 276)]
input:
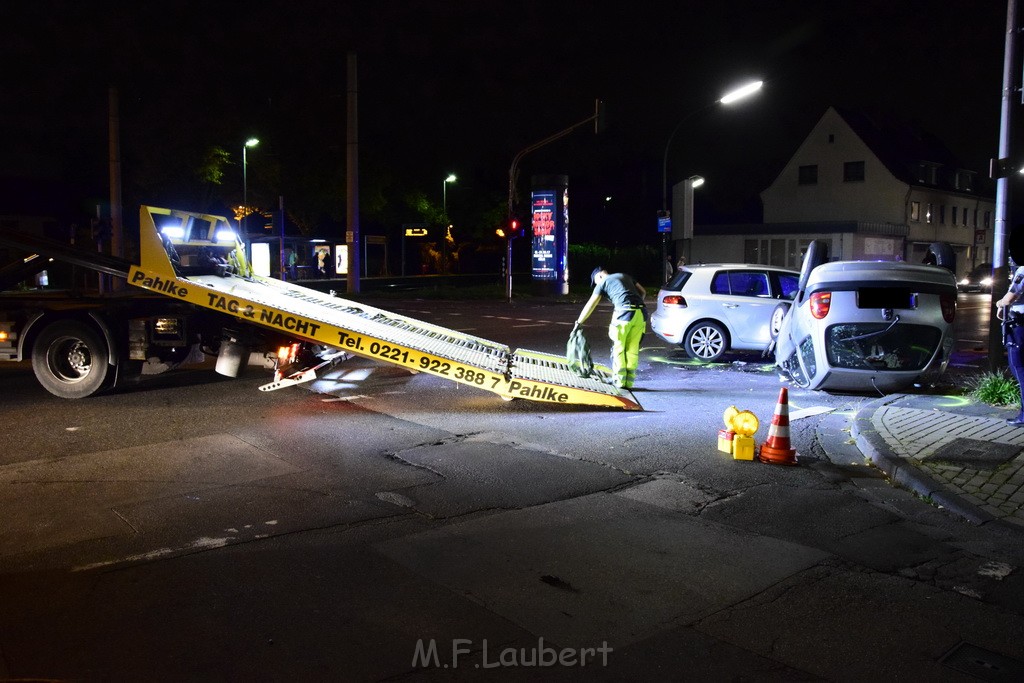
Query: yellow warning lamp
[(737, 437)]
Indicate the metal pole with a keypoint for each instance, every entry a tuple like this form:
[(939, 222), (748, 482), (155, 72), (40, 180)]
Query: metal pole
[(116, 222), (352, 173), (245, 180), (996, 356), (280, 251)]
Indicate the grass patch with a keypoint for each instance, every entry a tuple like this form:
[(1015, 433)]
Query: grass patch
[(994, 388)]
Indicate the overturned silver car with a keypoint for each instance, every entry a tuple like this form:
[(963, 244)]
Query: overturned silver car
[(866, 325)]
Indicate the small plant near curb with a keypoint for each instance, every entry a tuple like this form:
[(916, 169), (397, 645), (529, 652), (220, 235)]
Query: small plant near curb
[(994, 388)]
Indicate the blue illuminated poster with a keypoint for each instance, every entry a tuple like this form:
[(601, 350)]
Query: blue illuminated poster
[(544, 221)]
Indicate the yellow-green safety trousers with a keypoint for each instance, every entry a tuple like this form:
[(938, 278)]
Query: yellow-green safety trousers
[(625, 336)]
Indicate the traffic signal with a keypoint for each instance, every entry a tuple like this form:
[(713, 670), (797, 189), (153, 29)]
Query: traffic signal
[(513, 230)]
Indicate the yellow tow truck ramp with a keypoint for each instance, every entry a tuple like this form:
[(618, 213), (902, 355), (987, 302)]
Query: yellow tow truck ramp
[(197, 258)]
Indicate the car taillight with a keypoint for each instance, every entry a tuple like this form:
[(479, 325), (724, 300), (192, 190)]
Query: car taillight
[(820, 302), (674, 300), (948, 304)]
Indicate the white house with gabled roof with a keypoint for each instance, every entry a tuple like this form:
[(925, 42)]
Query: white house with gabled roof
[(871, 190)]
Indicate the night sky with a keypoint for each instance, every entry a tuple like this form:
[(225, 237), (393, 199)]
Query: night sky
[(460, 87)]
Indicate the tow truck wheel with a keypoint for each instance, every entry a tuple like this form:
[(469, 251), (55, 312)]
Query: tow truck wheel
[(70, 359)]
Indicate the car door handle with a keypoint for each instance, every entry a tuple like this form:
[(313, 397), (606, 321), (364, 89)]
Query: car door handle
[(730, 305)]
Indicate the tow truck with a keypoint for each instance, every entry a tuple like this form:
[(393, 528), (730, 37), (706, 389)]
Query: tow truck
[(193, 290)]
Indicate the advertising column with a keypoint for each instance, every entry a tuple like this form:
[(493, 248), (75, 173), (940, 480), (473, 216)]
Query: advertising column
[(549, 221)]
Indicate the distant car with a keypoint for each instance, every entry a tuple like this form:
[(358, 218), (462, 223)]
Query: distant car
[(866, 325), (979, 279), (712, 309)]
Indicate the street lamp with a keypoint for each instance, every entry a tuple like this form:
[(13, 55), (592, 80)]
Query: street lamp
[(736, 95), (689, 184), (444, 206), (730, 97), (251, 142)]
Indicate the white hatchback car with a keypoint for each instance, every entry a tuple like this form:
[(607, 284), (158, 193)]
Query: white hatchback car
[(711, 309), (866, 325)]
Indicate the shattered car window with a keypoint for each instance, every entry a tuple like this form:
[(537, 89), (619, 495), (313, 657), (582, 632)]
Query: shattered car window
[(881, 346)]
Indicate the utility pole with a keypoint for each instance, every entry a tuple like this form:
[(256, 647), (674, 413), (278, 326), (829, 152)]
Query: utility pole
[(352, 180), (996, 355), (114, 134)]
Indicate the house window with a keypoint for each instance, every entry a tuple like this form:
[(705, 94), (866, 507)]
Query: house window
[(988, 217), (928, 213), (953, 215), (942, 214), (963, 218), (915, 211), (831, 137), (927, 173), (963, 180), (853, 171), (808, 175), (975, 218)]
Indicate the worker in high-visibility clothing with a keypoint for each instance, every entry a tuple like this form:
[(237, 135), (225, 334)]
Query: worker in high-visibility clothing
[(628, 323)]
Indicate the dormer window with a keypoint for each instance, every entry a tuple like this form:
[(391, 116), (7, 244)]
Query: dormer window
[(928, 173), (964, 180)]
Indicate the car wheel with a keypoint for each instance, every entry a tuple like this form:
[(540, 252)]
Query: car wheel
[(775, 326), (70, 359), (706, 341)]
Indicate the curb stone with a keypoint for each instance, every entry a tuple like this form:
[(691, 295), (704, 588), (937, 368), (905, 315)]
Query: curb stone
[(904, 473)]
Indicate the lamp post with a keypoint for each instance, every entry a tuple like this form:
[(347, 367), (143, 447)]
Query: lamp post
[(444, 207), (251, 142), (730, 97), (689, 185)]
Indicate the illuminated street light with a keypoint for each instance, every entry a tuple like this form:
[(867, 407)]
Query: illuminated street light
[(444, 207), (251, 142), (741, 92), (730, 97)]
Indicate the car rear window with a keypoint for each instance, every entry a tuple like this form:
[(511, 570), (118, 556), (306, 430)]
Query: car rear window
[(881, 346), (676, 283)]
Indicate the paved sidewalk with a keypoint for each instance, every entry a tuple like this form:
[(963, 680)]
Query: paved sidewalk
[(959, 453)]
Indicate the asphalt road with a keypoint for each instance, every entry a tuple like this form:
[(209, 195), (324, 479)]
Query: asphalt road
[(395, 526)]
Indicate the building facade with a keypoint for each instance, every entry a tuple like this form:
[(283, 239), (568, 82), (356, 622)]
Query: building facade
[(870, 191)]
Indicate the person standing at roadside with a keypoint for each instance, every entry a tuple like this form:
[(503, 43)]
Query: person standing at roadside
[(628, 323), (1010, 309)]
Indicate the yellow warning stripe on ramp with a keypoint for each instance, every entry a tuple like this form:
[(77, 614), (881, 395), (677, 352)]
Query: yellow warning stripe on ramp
[(302, 313)]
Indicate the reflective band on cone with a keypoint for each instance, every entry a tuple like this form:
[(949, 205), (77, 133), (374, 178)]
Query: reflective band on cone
[(776, 449)]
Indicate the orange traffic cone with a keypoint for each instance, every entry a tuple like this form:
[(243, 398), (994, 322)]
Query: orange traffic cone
[(776, 449)]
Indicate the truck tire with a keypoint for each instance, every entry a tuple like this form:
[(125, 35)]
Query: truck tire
[(69, 359)]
